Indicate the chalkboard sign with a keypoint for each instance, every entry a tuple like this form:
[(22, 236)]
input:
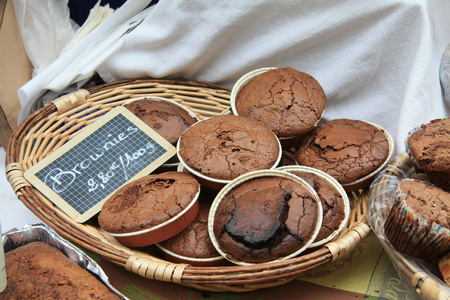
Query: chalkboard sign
[(80, 176)]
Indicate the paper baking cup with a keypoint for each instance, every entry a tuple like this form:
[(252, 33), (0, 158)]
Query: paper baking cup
[(413, 235), (246, 178), (211, 182), (286, 141), (170, 165), (338, 187), (196, 262), (162, 231)]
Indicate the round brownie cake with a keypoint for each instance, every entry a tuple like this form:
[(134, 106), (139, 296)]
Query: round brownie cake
[(429, 147), (147, 202), (168, 119), (346, 149), (333, 206), (418, 224), (226, 146), (194, 241), (287, 101), (265, 219)]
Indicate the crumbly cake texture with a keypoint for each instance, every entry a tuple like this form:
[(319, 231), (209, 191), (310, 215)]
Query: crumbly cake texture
[(224, 147), (418, 223), (429, 146), (333, 207), (39, 271), (264, 220), (147, 202), (167, 119), (286, 100), (345, 149), (427, 201), (194, 241)]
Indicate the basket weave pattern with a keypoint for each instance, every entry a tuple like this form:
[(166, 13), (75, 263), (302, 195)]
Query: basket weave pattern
[(50, 127)]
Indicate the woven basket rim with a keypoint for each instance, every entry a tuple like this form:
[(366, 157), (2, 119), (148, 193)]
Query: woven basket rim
[(32, 140)]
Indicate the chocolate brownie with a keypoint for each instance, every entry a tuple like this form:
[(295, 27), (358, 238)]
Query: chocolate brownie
[(286, 100), (39, 271), (429, 147), (226, 146), (147, 202), (265, 219), (346, 149), (418, 224), (166, 118), (333, 206), (194, 241)]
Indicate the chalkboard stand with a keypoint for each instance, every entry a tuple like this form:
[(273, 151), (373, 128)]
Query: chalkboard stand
[(82, 174)]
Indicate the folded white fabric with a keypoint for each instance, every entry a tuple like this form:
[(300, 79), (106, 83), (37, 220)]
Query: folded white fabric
[(377, 61), (80, 61)]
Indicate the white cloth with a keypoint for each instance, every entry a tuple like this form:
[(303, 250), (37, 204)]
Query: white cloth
[(13, 213), (377, 61), (80, 61)]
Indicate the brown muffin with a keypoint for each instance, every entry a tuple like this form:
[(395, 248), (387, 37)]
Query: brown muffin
[(333, 207), (265, 219), (418, 224), (148, 202), (194, 241), (167, 119), (224, 147), (39, 271), (346, 149), (287, 101), (429, 147)]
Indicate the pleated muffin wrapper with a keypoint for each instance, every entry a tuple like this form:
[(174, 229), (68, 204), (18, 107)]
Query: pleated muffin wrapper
[(42, 233), (247, 178), (286, 141), (339, 189), (171, 164), (215, 184), (413, 235), (193, 261), (160, 232)]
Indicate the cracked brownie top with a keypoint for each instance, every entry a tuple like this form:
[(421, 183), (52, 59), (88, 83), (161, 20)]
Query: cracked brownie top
[(225, 147), (287, 101)]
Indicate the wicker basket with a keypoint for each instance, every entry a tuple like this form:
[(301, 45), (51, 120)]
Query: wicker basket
[(415, 274), (51, 126)]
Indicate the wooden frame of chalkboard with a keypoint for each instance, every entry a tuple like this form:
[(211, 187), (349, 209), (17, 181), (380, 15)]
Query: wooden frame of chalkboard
[(83, 173)]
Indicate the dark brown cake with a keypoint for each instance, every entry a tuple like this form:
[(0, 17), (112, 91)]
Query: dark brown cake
[(224, 147), (419, 224), (167, 119), (429, 147), (265, 219), (333, 206), (39, 271), (287, 101), (346, 149), (147, 202)]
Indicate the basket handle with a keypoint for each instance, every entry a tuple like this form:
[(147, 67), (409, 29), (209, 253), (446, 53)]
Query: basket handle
[(428, 287), (152, 269), (71, 100), (349, 240)]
